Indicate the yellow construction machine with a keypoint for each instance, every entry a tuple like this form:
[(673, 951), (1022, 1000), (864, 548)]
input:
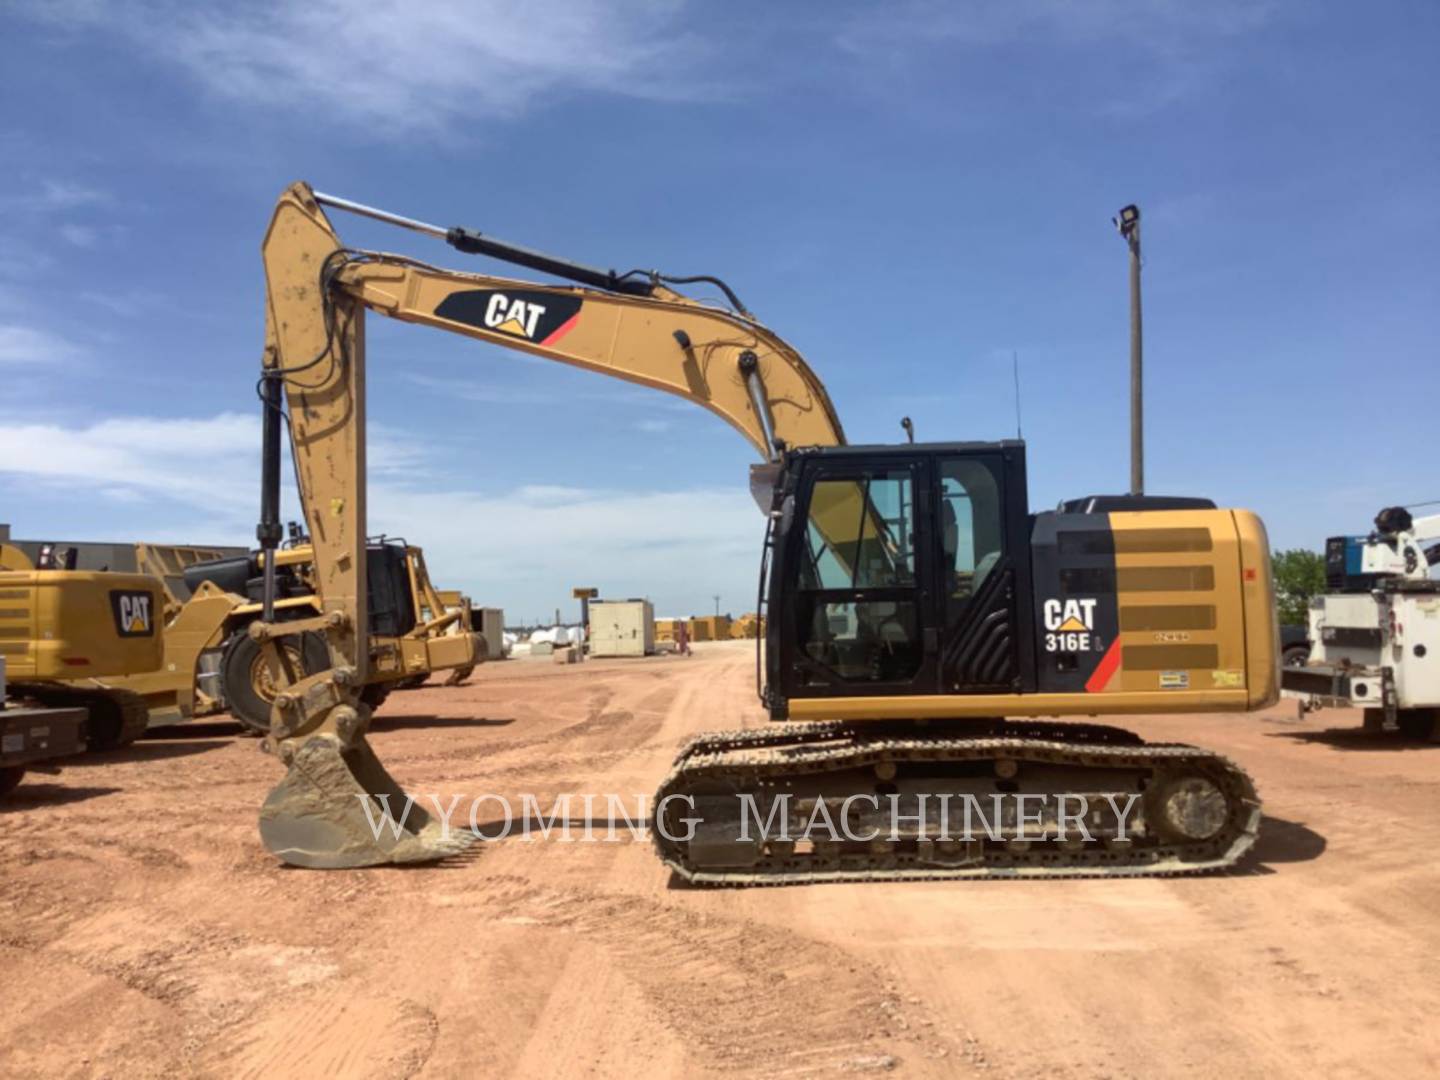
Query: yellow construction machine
[(212, 664), (57, 625), (919, 620)]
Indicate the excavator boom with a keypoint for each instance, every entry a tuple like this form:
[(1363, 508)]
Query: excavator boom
[(313, 379)]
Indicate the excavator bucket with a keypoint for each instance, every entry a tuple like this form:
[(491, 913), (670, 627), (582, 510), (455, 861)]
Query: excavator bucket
[(339, 808)]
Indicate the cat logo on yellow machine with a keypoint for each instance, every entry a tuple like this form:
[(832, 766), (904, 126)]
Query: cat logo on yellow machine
[(134, 613), (533, 315), (517, 317)]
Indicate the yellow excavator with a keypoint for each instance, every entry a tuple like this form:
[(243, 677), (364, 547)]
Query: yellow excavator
[(59, 624), (921, 623)]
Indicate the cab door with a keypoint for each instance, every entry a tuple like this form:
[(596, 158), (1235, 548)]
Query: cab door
[(981, 572), (859, 598)]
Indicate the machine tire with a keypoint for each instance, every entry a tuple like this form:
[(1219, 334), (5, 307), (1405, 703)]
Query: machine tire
[(243, 675), (413, 682), (1296, 656), (374, 695), (10, 778)]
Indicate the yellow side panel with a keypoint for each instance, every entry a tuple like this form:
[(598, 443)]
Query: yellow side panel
[(1262, 625), (65, 624), (200, 625), (1181, 611)]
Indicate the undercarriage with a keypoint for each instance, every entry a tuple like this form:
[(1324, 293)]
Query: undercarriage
[(837, 802)]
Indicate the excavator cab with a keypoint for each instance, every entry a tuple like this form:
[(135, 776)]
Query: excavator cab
[(901, 570), (914, 579)]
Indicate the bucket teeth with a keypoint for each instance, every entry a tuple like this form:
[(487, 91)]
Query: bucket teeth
[(338, 807)]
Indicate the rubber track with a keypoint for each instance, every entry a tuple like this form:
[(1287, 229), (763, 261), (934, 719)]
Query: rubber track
[(744, 758), (134, 713)]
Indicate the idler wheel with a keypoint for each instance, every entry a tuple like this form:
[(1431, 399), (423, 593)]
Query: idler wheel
[(1192, 808)]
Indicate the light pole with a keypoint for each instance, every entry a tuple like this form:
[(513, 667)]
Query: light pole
[(1128, 222), (717, 607)]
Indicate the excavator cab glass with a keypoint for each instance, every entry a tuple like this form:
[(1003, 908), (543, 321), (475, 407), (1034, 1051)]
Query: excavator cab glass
[(899, 568), (858, 576)]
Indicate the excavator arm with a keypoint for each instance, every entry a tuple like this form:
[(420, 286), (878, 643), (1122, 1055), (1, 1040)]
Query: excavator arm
[(337, 806)]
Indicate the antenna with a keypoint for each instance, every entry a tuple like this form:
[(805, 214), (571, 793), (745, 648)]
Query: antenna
[(1015, 371)]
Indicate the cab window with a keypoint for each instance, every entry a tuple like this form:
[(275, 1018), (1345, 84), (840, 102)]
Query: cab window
[(861, 533), (859, 608), (971, 528)]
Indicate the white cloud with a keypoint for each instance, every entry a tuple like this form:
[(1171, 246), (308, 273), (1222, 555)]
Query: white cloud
[(127, 305), (407, 67), (1156, 25), (654, 427), (525, 550), (214, 459), (186, 460), (65, 195), (197, 480), (55, 196), (20, 261), (82, 236), (29, 345), (1168, 49)]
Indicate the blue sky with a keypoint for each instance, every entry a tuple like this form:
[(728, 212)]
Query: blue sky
[(908, 192)]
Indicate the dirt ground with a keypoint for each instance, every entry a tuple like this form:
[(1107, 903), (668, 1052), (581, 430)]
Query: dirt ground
[(145, 932)]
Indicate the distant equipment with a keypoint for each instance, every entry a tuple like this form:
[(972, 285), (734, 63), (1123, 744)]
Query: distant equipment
[(709, 627), (1375, 632), (58, 625), (211, 596)]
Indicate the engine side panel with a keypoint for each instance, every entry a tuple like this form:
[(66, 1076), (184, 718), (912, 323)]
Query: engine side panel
[(70, 624)]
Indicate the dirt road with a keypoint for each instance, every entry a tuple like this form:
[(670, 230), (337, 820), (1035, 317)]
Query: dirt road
[(144, 932)]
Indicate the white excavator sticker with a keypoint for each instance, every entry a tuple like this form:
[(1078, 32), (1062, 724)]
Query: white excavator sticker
[(518, 317), (133, 613), (1069, 625)]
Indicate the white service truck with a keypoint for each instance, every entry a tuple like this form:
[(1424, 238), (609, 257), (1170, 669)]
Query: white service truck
[(1375, 632)]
